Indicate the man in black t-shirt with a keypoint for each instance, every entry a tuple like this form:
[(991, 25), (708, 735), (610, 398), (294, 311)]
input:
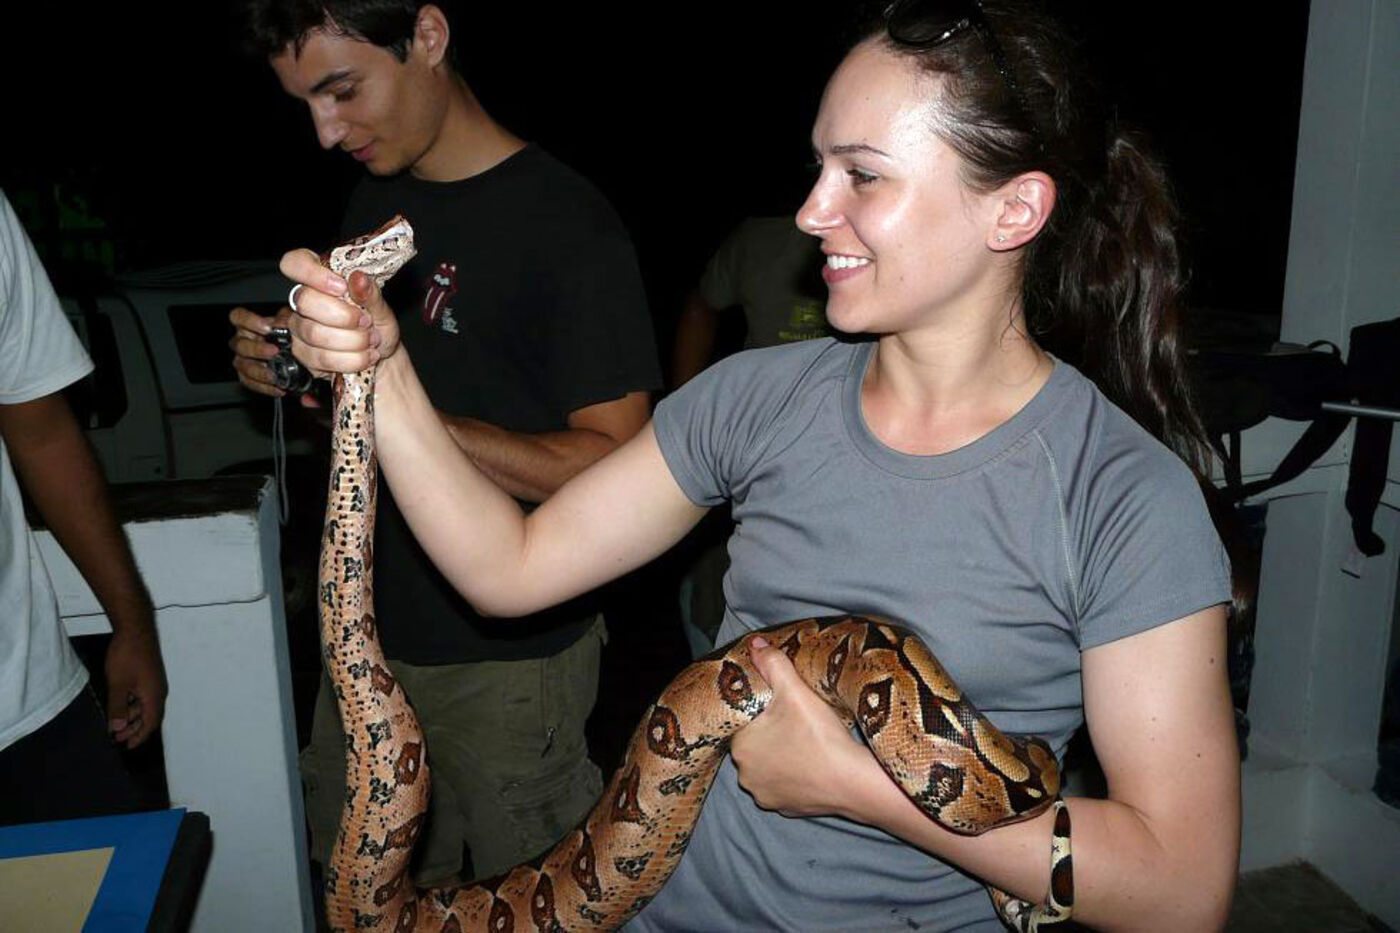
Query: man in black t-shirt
[(525, 315)]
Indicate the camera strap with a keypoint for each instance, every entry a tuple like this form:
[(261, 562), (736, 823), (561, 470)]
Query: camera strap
[(279, 462)]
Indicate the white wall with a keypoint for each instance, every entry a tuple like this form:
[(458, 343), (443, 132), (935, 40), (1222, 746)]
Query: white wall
[(1324, 610)]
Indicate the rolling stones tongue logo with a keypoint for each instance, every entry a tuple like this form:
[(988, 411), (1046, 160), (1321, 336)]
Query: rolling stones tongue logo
[(442, 285)]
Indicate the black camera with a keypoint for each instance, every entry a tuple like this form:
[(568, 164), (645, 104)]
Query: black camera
[(287, 373)]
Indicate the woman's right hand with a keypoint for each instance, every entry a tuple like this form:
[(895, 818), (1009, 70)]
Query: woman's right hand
[(330, 333)]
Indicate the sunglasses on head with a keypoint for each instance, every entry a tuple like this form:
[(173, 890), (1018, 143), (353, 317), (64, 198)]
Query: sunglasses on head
[(926, 24)]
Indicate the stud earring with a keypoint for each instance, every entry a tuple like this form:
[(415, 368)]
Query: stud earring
[(1001, 238)]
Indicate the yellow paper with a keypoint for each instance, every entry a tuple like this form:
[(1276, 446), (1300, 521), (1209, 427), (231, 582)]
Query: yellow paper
[(51, 893)]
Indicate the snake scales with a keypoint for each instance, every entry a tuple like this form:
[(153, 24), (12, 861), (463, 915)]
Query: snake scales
[(946, 756)]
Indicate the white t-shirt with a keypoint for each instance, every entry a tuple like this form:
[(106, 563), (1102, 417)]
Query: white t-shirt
[(39, 354)]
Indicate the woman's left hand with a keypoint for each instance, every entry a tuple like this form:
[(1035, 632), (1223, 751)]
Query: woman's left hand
[(797, 757)]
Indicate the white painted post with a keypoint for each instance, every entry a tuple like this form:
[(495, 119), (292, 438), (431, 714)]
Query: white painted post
[(1325, 613), (229, 734)]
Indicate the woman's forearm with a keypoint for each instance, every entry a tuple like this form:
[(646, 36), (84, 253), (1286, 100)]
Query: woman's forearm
[(1125, 877), (473, 531), (1162, 852), (619, 513)]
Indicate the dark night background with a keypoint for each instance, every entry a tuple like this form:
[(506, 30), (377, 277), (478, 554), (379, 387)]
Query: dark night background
[(144, 123), (689, 116)]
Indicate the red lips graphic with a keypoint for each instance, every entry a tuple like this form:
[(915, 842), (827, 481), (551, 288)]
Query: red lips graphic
[(442, 285)]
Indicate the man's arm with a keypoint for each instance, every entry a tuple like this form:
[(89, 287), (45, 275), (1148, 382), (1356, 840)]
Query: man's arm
[(531, 467), (57, 468), (528, 466), (695, 339)]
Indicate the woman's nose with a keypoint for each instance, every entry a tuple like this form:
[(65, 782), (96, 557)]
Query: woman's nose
[(818, 213)]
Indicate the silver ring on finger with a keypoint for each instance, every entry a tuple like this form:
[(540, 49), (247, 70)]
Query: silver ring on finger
[(292, 298)]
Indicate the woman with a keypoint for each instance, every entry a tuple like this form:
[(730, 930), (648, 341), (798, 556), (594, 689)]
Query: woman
[(944, 470)]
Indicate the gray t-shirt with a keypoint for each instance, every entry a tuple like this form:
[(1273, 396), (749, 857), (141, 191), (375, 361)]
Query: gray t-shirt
[(772, 271), (1064, 528)]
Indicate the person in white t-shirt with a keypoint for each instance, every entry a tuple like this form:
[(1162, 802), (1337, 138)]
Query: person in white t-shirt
[(58, 749)]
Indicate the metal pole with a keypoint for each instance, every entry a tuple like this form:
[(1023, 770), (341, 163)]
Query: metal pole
[(1362, 411)]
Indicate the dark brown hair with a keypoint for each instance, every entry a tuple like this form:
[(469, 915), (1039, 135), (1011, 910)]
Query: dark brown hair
[(1102, 282), (272, 25)]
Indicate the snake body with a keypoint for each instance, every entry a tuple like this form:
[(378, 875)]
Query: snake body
[(951, 761)]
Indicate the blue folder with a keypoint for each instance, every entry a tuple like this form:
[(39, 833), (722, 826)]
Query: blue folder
[(141, 844)]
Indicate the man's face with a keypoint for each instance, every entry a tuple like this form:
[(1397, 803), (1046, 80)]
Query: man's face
[(384, 112)]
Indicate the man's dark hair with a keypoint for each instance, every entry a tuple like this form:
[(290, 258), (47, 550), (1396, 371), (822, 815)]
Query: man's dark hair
[(272, 25)]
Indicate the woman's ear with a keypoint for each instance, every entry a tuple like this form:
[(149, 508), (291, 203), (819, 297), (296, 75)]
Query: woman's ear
[(1024, 207)]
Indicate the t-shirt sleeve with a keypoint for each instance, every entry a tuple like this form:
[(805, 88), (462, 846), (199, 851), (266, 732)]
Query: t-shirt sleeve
[(1151, 551), (603, 346), (39, 353), (713, 429)]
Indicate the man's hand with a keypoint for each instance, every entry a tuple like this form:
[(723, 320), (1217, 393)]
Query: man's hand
[(56, 466), (251, 351), (136, 686)]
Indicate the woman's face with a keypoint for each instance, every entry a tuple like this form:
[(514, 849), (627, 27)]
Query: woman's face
[(906, 242)]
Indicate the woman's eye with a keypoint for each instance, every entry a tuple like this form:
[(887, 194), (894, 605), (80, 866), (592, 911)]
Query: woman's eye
[(860, 177), (341, 95)]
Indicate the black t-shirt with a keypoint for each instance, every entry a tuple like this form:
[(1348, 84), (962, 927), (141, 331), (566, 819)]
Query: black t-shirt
[(523, 304)]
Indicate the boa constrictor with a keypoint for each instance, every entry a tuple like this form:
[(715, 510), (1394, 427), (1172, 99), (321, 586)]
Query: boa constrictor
[(953, 763)]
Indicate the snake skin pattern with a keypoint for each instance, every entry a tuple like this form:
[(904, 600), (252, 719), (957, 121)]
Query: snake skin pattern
[(952, 762)]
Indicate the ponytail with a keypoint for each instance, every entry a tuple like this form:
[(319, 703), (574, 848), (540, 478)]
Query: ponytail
[(1102, 282), (1107, 284)]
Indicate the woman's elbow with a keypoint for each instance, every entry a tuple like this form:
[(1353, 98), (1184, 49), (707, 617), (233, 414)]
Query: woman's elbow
[(1208, 914), (1209, 909), (1199, 904), (485, 611), (505, 602), (491, 593), (499, 607), (1209, 873)]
